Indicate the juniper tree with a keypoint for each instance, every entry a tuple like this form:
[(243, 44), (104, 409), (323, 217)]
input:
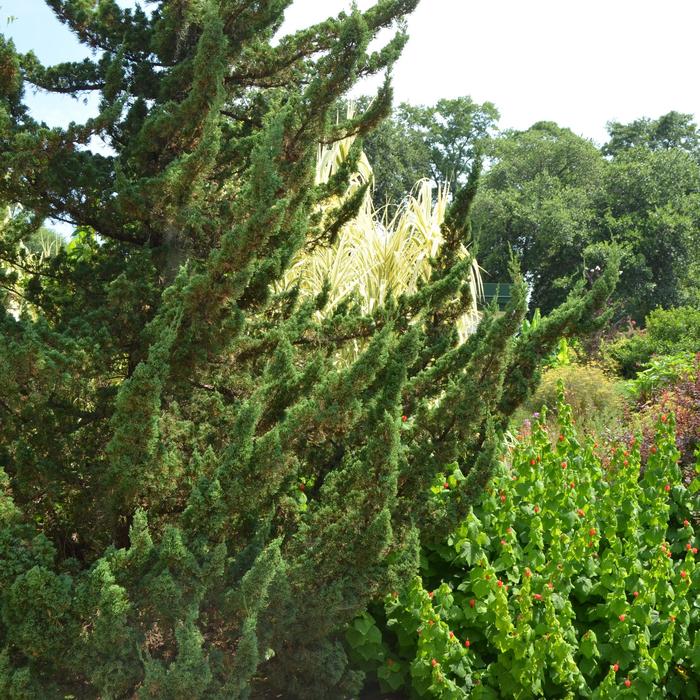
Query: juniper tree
[(195, 496)]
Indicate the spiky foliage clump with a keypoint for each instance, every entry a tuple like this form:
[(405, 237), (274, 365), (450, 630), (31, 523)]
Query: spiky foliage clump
[(376, 256), (162, 408)]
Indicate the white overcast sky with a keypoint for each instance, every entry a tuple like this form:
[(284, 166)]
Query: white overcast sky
[(577, 63)]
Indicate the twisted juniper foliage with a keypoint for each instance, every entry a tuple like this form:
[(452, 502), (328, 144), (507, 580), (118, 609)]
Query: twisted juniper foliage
[(195, 496)]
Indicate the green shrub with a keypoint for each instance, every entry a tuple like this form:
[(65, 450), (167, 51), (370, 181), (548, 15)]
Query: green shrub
[(597, 401), (662, 372), (674, 330), (567, 353), (574, 577), (204, 477), (628, 353), (668, 332)]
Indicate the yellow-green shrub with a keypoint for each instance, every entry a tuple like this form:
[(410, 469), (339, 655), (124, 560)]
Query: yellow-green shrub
[(597, 400)]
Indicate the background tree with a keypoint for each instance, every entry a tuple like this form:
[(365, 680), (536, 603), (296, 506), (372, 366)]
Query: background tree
[(196, 497), (651, 207), (399, 158), (552, 199), (673, 130), (538, 202), (438, 142)]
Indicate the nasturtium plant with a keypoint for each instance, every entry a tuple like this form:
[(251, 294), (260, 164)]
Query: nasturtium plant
[(575, 576)]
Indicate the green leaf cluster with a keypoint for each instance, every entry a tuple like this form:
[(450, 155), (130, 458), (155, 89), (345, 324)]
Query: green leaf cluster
[(576, 571)]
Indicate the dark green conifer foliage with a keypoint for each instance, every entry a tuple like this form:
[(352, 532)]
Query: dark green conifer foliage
[(195, 495)]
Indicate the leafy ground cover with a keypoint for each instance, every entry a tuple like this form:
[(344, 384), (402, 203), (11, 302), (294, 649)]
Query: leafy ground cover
[(575, 576)]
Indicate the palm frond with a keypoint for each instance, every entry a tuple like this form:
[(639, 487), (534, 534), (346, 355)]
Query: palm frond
[(375, 255)]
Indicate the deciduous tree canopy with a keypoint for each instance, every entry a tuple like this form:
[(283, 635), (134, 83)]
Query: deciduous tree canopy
[(439, 142)]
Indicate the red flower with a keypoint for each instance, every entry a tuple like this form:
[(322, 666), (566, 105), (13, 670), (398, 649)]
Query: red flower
[(446, 485), (434, 663), (580, 512), (689, 546), (636, 594), (452, 635), (467, 643), (561, 438), (686, 523), (404, 418), (628, 682), (537, 596), (563, 465), (431, 594), (616, 668), (503, 542), (472, 603), (684, 574), (528, 573), (532, 462), (591, 532), (301, 487), (653, 449), (667, 488), (694, 550), (622, 618), (537, 509), (503, 498), (500, 583)]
